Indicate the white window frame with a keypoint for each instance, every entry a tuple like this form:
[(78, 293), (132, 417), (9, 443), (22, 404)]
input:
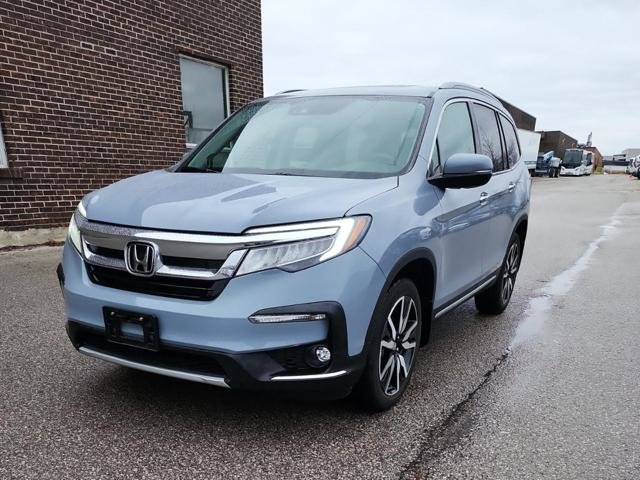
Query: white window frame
[(4, 160), (225, 69)]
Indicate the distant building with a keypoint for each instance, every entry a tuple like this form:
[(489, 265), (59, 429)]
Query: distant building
[(629, 153), (523, 119), (615, 163), (598, 160), (557, 141)]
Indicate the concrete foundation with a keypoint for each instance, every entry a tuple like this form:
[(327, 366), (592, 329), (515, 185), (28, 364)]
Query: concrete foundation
[(32, 236)]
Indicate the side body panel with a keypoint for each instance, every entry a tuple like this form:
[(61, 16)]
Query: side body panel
[(452, 224)]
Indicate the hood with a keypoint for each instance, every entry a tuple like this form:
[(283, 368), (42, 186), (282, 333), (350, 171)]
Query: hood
[(227, 203)]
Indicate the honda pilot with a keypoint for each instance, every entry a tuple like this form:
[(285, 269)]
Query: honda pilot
[(307, 245)]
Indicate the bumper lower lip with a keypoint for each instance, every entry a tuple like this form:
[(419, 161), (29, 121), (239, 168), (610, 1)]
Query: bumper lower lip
[(193, 377)]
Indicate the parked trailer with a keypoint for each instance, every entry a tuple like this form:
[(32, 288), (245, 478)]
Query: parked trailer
[(529, 144)]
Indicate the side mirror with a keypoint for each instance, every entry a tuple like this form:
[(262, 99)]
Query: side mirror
[(464, 170)]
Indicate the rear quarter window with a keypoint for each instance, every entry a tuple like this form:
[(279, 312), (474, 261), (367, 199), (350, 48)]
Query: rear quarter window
[(511, 141)]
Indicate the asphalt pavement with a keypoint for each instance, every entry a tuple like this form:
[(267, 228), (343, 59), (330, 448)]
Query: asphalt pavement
[(549, 389)]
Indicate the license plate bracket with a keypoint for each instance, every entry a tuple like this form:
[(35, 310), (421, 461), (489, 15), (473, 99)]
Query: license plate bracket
[(114, 319)]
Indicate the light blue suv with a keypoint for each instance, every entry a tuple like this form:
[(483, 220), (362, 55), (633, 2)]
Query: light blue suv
[(307, 244)]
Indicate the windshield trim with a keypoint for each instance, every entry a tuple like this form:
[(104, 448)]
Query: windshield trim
[(426, 101)]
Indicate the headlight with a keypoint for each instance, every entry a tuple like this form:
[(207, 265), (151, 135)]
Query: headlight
[(320, 241), (74, 233)]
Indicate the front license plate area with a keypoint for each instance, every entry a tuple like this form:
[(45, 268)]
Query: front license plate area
[(131, 328)]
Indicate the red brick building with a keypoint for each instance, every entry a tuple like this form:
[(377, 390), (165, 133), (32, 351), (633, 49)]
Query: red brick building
[(92, 91), (557, 141), (598, 160)]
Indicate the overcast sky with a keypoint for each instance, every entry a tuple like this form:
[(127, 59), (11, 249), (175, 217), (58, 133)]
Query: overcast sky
[(574, 65)]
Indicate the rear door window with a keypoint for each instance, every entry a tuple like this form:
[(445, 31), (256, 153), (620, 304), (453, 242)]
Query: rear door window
[(511, 141), (489, 135), (455, 135)]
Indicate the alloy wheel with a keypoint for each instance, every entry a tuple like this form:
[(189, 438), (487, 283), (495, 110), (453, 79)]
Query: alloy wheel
[(398, 345), (510, 270)]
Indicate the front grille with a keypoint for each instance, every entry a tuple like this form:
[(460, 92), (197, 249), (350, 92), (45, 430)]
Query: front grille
[(184, 262), (165, 358), (173, 287)]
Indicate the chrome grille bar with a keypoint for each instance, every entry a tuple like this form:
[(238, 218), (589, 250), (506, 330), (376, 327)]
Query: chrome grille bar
[(227, 269), (191, 245)]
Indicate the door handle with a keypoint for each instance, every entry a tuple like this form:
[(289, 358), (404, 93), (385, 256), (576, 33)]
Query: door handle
[(484, 197), (511, 187)]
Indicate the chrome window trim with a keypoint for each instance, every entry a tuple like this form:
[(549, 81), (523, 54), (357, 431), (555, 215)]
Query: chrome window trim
[(479, 102), (193, 377)]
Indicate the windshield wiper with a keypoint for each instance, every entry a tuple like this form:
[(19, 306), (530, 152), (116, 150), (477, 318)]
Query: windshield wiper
[(188, 168)]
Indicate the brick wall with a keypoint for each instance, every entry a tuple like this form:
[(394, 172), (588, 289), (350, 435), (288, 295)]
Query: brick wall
[(520, 117), (90, 91), (557, 141)]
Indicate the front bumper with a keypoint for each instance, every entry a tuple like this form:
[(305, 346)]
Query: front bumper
[(278, 370), (215, 342)]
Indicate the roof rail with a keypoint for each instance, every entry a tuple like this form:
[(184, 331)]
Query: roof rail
[(466, 86), (293, 90)]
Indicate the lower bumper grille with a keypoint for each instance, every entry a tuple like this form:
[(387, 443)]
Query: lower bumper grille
[(188, 289), (167, 359)]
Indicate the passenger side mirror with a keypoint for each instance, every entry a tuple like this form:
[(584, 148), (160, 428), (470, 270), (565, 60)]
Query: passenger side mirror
[(464, 170)]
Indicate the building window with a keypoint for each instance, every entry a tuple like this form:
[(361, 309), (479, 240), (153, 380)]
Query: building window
[(3, 151), (204, 97)]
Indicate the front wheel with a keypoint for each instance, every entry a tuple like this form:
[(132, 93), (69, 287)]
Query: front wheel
[(495, 299), (397, 324)]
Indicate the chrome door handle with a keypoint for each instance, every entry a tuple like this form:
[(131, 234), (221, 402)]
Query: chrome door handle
[(511, 187), (484, 196)]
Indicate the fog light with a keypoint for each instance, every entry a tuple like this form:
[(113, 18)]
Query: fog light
[(323, 354)]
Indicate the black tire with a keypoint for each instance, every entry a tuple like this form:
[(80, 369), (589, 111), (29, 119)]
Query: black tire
[(391, 355), (495, 299)]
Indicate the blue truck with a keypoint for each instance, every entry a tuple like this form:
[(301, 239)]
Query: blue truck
[(547, 164)]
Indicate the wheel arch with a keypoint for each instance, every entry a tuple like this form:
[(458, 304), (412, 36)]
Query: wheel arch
[(521, 229), (419, 266)]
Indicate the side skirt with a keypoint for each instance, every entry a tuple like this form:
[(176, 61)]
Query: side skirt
[(465, 296)]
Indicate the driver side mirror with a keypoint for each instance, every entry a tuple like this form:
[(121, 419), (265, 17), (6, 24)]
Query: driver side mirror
[(464, 170)]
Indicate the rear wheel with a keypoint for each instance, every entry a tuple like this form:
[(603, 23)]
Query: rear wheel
[(391, 357), (495, 299)]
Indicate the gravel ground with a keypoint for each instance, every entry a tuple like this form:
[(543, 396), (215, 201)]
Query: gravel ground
[(63, 415)]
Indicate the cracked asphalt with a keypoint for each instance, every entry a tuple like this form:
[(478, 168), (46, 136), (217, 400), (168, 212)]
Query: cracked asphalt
[(561, 404)]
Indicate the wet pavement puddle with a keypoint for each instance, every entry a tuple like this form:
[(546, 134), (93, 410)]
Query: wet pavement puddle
[(538, 309)]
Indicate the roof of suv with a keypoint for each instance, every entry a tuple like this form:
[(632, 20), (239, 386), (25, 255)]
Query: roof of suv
[(386, 90)]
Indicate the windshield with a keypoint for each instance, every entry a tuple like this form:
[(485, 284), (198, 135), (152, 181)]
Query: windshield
[(337, 136), (572, 157)]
